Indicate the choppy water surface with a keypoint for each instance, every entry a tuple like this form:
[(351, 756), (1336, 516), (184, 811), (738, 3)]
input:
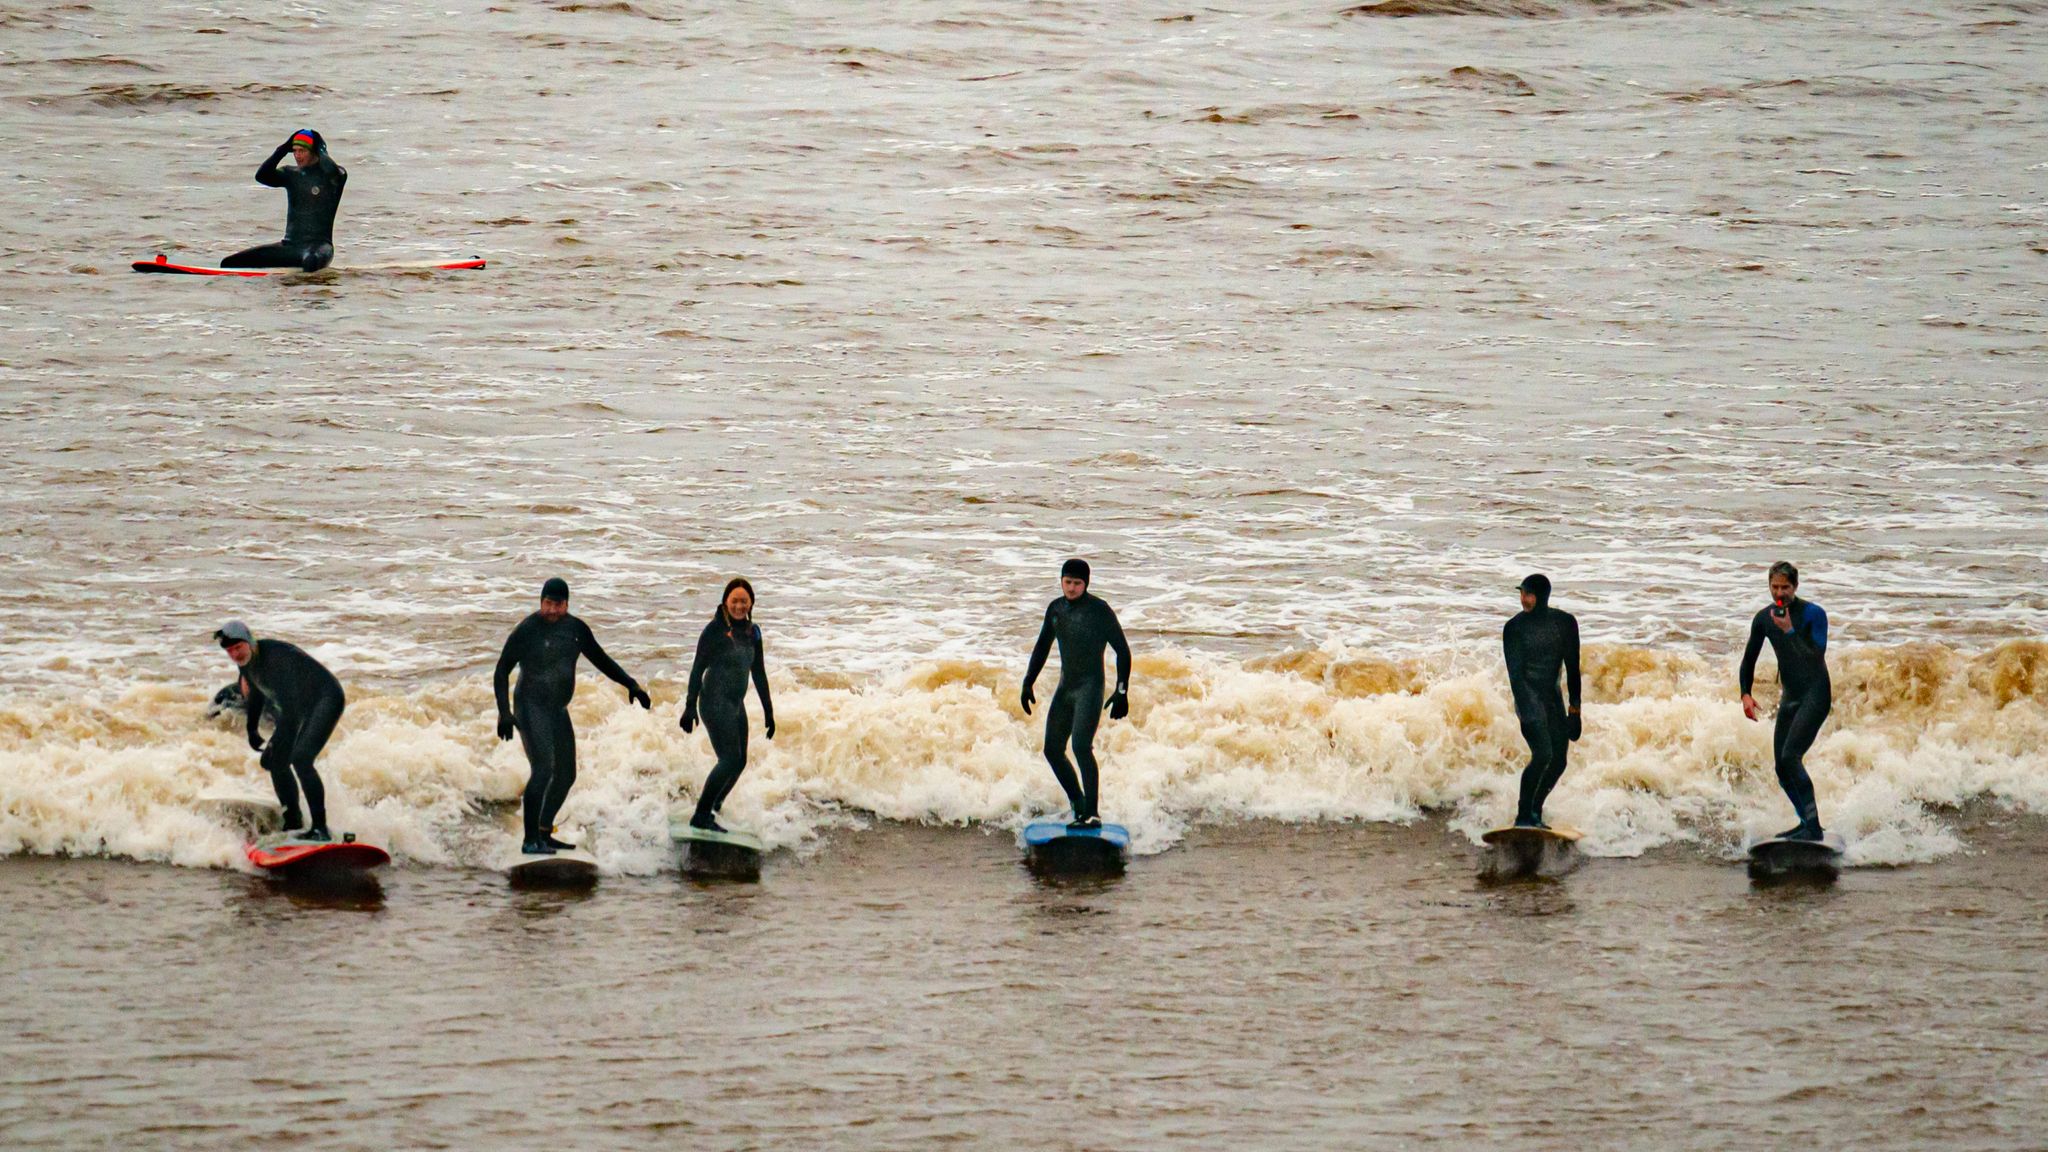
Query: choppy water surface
[(1271, 986), (1314, 327)]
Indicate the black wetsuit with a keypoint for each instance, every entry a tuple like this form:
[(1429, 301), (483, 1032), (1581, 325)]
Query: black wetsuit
[(545, 653), (729, 653), (313, 195), (1084, 627), (1807, 698), (1539, 644), (309, 703)]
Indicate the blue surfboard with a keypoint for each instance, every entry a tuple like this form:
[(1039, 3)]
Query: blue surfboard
[(1051, 846), (1042, 832)]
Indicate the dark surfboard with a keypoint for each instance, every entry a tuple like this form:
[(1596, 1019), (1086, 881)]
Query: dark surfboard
[(1813, 861)]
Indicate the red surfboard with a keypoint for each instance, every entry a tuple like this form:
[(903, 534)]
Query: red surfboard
[(284, 854), (161, 264)]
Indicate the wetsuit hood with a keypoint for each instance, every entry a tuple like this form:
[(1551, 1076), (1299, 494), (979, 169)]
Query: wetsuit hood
[(234, 632), (556, 588), (1538, 585), (1076, 569)]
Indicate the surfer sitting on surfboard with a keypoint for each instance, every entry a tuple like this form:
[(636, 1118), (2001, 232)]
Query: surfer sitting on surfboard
[(729, 653), (1539, 643), (312, 196), (544, 648), (1798, 634), (1084, 625), (309, 704)]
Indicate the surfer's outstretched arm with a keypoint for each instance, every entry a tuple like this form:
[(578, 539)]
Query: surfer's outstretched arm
[(1121, 647), (760, 674), (515, 651), (699, 664), (1039, 652), (586, 643), (1571, 659), (1750, 651)]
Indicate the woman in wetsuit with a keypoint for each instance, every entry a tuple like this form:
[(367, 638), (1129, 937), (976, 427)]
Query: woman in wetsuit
[(1798, 633), (728, 655), (312, 196)]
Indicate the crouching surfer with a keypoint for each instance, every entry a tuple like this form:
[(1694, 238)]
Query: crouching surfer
[(309, 703), (312, 196), (545, 647), (729, 654), (1540, 643), (1797, 631), (1084, 625)]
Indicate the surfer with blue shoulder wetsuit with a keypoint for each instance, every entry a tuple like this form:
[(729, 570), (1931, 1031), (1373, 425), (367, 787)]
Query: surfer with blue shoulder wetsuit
[(545, 647), (1540, 643), (1797, 631), (1083, 624), (312, 196), (729, 654), (309, 703)]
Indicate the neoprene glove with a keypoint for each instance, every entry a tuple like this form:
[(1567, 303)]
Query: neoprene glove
[(504, 726), (255, 742), (638, 695), (1119, 705), (768, 724), (1573, 725), (1027, 699), (689, 719)]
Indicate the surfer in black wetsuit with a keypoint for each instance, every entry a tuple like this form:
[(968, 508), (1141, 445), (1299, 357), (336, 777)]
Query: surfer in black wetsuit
[(312, 196), (1084, 625), (1540, 643), (729, 653), (544, 647), (1798, 634), (309, 703)]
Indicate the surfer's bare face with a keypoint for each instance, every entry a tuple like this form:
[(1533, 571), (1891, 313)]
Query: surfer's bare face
[(240, 652), (303, 155), (1072, 586), (1782, 588), (738, 604), (553, 610)]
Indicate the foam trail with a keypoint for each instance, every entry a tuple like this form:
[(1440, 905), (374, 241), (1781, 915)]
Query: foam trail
[(1302, 736)]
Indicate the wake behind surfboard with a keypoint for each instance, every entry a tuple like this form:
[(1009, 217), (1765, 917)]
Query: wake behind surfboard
[(163, 265)]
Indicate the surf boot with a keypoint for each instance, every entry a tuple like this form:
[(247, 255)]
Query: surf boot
[(706, 822), (1085, 823), (317, 834), (293, 820), (558, 845), (536, 848), (1531, 822), (1810, 831)]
